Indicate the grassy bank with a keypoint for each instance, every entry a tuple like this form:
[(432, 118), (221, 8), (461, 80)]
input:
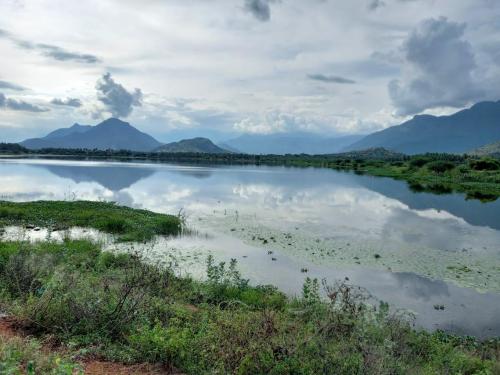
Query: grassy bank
[(438, 174), (96, 304), (128, 224)]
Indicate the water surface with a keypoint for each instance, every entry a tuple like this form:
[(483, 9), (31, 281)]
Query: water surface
[(414, 250)]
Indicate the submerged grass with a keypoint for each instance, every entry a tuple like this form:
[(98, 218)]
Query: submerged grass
[(118, 307), (129, 224)]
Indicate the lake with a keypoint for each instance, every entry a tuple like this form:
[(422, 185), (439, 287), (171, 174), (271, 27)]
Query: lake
[(436, 256)]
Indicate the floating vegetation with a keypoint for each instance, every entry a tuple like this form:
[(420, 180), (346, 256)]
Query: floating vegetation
[(470, 268)]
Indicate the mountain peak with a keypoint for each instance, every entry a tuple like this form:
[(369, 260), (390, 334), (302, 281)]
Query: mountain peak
[(113, 121), (112, 134)]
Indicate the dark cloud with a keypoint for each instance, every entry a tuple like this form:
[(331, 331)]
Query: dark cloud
[(10, 86), (116, 99), (50, 50), (69, 102), (440, 66), (19, 105), (375, 4), (260, 9), (61, 54), (330, 79)]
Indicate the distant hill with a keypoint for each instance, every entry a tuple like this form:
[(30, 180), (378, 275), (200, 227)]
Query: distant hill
[(280, 144), (110, 134), (458, 133), (199, 145), (378, 153), (492, 149), (227, 147)]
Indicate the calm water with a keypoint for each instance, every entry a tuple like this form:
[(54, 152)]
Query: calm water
[(414, 250)]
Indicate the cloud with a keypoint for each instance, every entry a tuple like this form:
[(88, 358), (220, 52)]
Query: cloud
[(276, 121), (115, 98), (61, 54), (375, 4), (330, 79), (69, 102), (439, 66), (51, 51), (19, 105), (260, 9), (10, 86)]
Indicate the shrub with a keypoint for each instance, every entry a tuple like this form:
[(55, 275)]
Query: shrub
[(440, 166), (104, 306), (121, 308), (397, 163), (419, 161), (485, 164)]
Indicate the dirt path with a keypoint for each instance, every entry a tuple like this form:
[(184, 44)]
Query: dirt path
[(8, 330), (110, 368)]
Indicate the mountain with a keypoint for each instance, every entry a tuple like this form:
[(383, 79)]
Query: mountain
[(199, 145), (110, 134), (37, 143), (227, 147), (457, 133), (300, 143), (76, 128), (492, 149)]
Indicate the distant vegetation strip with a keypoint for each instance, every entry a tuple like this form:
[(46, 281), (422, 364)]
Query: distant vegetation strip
[(476, 176), (127, 223), (120, 308)]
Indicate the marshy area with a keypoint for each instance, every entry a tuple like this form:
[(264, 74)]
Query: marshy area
[(71, 302)]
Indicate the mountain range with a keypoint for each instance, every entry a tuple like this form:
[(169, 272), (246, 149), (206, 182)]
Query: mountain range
[(109, 134), (299, 143), (458, 133), (462, 132)]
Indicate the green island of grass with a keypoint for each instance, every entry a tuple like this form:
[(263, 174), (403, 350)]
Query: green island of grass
[(120, 308), (127, 223)]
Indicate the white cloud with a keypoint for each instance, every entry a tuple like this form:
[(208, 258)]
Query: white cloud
[(235, 70)]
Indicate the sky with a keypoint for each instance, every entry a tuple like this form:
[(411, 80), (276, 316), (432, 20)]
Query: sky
[(221, 68)]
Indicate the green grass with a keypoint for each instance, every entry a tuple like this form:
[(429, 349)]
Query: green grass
[(25, 356), (129, 224), (121, 308), (431, 174)]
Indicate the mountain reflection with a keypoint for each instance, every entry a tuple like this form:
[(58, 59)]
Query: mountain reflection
[(113, 178)]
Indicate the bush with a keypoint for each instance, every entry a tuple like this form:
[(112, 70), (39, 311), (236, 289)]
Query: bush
[(485, 164), (69, 290), (123, 309), (419, 161), (440, 166)]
